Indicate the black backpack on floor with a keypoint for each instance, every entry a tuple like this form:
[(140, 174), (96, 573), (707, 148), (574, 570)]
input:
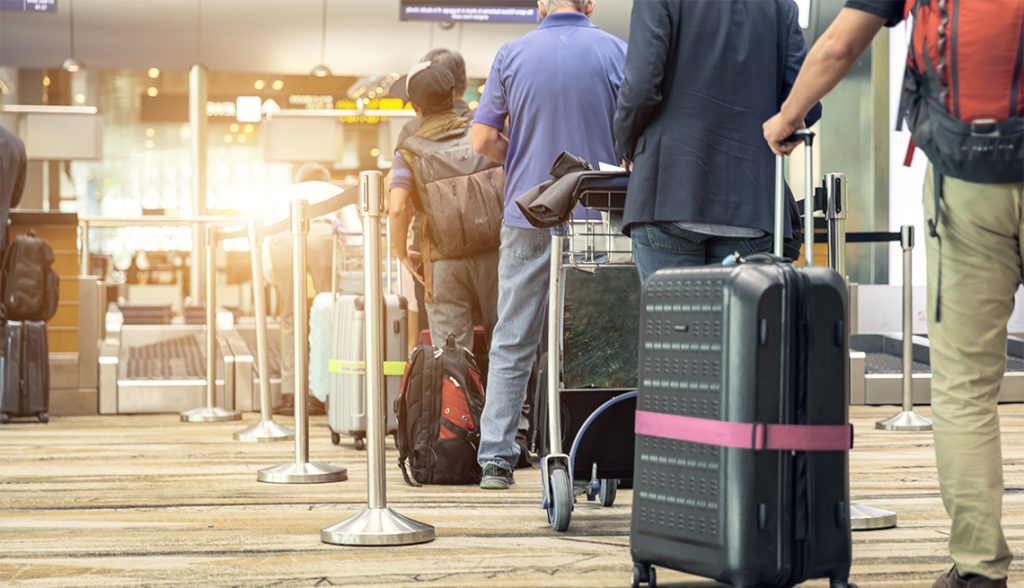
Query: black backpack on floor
[(439, 411), (31, 289)]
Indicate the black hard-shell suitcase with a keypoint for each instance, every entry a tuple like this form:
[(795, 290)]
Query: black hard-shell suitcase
[(721, 490), (24, 371)]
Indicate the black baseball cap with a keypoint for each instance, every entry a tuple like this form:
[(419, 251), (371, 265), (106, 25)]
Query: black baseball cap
[(430, 87)]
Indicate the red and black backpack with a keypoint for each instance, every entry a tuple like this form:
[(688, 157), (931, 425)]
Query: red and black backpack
[(963, 94), (439, 411)]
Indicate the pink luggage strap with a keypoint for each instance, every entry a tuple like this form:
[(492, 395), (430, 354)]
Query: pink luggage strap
[(756, 436)]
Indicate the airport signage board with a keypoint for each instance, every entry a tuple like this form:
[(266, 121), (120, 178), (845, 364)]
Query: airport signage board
[(28, 5), (469, 10)]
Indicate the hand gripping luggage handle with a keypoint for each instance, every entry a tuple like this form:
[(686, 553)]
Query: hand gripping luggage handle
[(805, 136)]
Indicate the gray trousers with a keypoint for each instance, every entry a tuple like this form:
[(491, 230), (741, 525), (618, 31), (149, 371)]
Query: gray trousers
[(457, 286)]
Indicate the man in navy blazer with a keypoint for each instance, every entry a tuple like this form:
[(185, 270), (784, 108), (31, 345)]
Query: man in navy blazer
[(701, 77)]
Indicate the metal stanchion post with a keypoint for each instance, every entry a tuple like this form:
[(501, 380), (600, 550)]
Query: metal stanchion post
[(267, 429), (862, 516), (301, 471), (835, 213), (83, 256), (907, 419), (377, 524), (211, 412)]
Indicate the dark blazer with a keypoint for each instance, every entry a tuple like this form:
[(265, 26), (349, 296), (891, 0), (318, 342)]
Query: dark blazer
[(701, 78), (13, 169)]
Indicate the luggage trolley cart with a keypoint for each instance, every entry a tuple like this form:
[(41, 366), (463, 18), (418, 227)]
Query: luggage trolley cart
[(598, 420)]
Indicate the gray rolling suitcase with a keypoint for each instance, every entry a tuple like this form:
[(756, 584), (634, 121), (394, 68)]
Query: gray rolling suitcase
[(346, 403), (741, 464), (24, 371)]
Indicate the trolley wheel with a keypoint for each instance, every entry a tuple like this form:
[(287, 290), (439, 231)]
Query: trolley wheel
[(609, 488), (360, 443), (560, 506), (644, 573), (335, 438), (842, 584), (44, 417), (4, 418)]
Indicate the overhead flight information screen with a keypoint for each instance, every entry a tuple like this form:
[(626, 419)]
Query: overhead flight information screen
[(470, 10), (28, 5)]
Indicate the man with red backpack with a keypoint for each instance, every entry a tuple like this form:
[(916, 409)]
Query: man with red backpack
[(963, 99)]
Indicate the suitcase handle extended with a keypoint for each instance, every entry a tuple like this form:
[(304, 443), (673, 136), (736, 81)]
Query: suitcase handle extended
[(806, 136)]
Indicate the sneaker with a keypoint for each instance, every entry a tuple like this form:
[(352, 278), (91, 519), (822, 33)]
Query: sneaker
[(953, 579), (496, 477)]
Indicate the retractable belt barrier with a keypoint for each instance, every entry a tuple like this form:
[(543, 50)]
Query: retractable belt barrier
[(301, 471), (376, 524)]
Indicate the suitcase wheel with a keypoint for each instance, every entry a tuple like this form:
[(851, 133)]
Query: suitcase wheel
[(335, 438), (842, 584), (4, 418), (44, 417), (360, 443), (560, 504), (644, 573)]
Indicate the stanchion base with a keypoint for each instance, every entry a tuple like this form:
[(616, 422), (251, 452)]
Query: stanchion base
[(377, 526), (302, 473), (265, 431), (210, 415), (905, 421), (869, 518)]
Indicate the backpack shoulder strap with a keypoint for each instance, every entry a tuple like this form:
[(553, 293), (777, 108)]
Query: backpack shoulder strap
[(419, 145)]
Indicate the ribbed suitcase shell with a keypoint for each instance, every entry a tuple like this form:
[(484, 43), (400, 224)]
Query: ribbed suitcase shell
[(346, 405), (24, 369), (759, 342)]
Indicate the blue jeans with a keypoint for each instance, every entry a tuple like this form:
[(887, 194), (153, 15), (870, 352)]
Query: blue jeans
[(664, 245), (524, 261)]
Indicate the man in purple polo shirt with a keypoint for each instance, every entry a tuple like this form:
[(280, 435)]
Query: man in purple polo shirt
[(557, 87)]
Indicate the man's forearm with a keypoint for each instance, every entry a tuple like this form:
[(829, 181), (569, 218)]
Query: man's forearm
[(830, 60), (490, 143), (399, 215)]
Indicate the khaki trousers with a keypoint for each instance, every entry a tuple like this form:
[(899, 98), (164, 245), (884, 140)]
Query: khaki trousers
[(981, 270)]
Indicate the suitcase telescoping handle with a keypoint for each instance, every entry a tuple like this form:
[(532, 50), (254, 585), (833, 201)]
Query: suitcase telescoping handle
[(806, 137), (392, 281)]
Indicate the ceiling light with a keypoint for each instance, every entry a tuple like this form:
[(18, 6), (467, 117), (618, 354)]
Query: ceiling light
[(80, 98), (153, 72), (46, 80), (228, 138), (321, 70), (72, 65), (152, 92), (149, 144), (241, 138), (259, 84), (277, 85), (374, 152), (151, 132), (233, 127), (248, 128)]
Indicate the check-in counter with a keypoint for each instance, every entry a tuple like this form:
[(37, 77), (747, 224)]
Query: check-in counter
[(73, 333)]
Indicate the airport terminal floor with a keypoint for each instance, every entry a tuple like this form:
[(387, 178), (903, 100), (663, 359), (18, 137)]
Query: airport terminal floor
[(148, 500), (520, 305)]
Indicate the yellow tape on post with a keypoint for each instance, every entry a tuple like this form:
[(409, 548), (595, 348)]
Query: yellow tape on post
[(350, 367)]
